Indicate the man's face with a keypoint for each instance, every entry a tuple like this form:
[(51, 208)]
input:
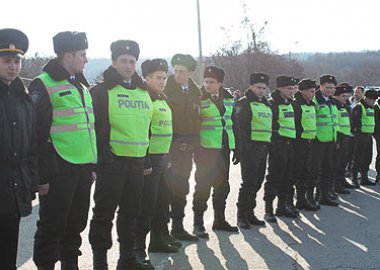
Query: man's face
[(342, 98), (370, 101), (358, 93), (308, 94), (211, 85), (77, 60), (287, 91), (327, 89), (181, 74), (10, 67), (125, 65), (156, 81), (295, 90), (259, 89)]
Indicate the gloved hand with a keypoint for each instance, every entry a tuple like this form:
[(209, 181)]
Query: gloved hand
[(236, 158)]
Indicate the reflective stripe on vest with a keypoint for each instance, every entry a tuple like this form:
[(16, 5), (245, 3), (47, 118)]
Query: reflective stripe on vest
[(368, 120), (327, 122), (72, 130), (344, 125), (213, 124), (308, 122), (287, 127), (261, 122), (130, 115), (161, 128)]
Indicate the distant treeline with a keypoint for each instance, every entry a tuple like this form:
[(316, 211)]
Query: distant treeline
[(357, 68)]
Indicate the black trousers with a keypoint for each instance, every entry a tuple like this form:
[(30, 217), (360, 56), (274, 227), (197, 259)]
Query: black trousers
[(212, 172), (377, 164), (322, 164), (341, 156), (63, 215), (119, 185), (280, 170), (362, 153), (182, 152), (161, 217), (9, 229), (302, 165), (253, 165), (149, 196)]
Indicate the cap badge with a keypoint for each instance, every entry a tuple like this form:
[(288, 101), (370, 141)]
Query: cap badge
[(12, 46), (128, 48), (262, 77)]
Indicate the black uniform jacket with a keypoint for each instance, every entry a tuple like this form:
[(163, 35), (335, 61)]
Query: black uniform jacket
[(100, 102), (299, 101), (244, 116), (47, 156), (185, 107), (275, 101), (356, 125), (18, 146), (223, 93)]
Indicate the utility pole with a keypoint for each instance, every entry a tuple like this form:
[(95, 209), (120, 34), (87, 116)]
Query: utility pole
[(200, 42)]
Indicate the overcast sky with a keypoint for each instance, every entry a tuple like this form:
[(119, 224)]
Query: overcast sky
[(166, 27)]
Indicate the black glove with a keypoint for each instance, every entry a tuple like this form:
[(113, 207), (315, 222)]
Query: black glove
[(236, 158)]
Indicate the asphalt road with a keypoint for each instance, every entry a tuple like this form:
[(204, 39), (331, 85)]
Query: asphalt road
[(344, 237)]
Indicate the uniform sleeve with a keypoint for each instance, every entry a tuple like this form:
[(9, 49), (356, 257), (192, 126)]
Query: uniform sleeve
[(243, 118), (377, 121), (43, 116), (275, 125), (356, 119), (297, 119), (235, 128), (33, 156)]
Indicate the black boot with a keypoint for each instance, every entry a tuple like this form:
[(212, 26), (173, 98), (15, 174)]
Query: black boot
[(345, 184), (326, 199), (269, 216), (159, 245), (128, 261), (338, 187), (310, 198), (377, 179), (242, 220), (199, 228), (302, 203), (179, 232), (140, 249), (284, 209), (220, 223), (252, 219), (99, 258), (365, 180), (170, 240), (355, 180)]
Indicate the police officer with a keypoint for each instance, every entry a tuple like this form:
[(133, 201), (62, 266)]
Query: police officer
[(66, 148), (155, 75), (123, 111), (306, 129), (343, 137), (363, 126), (218, 138), (281, 151), (18, 157), (184, 100), (324, 144), (254, 115)]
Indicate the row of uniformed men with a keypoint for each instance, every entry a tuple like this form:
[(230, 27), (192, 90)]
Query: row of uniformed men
[(125, 126), (124, 118)]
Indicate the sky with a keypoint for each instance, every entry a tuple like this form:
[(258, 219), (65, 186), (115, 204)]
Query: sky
[(165, 27)]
